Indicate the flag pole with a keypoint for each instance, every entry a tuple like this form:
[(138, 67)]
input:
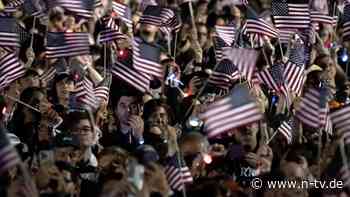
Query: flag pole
[(21, 102), (33, 29), (104, 60)]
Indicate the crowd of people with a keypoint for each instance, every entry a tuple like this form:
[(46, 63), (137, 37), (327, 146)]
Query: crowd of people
[(148, 98)]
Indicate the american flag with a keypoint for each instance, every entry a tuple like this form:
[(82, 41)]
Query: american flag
[(8, 34), (82, 8), (102, 90), (291, 14), (136, 79), (98, 3), (313, 109), (85, 94), (295, 77), (177, 174), (341, 121), (286, 35), (124, 12), (226, 33), (346, 25), (224, 75), (67, 44), (144, 3), (273, 77), (10, 69), (9, 157), (48, 75), (146, 58), (235, 110), (110, 31), (259, 26), (320, 17), (297, 53), (244, 59), (152, 16), (170, 21), (219, 47), (286, 130)]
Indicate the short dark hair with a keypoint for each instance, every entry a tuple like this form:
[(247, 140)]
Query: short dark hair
[(119, 89), (73, 117)]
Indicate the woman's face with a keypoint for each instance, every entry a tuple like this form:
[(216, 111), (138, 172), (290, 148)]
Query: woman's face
[(158, 118)]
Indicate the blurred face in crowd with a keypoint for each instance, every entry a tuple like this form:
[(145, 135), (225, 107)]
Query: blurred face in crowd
[(124, 109), (63, 88), (83, 129), (202, 35), (159, 118), (148, 32), (247, 136), (65, 154)]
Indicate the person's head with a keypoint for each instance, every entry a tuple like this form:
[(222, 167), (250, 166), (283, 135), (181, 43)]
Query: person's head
[(62, 85), (126, 101), (247, 136), (113, 163), (32, 96), (193, 144), (66, 148), (202, 34), (80, 123), (329, 69), (57, 18), (157, 113)]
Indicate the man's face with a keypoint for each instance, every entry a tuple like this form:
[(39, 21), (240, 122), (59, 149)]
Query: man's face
[(124, 109), (247, 136), (63, 88), (85, 133), (203, 35), (64, 154), (158, 118)]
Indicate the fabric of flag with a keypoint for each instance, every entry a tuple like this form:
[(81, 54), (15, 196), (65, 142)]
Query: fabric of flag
[(152, 16), (346, 19), (295, 77), (124, 12), (145, 3), (235, 110), (146, 58), (8, 34), (48, 75), (341, 121), (344, 174), (244, 59), (98, 3), (102, 90), (136, 79), (259, 26), (10, 69), (286, 130), (67, 44), (219, 47), (297, 53), (273, 77), (256, 40), (291, 14), (81, 8), (9, 157), (85, 94), (320, 17), (224, 75), (226, 33), (286, 35), (177, 173), (110, 31), (170, 22), (313, 109)]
